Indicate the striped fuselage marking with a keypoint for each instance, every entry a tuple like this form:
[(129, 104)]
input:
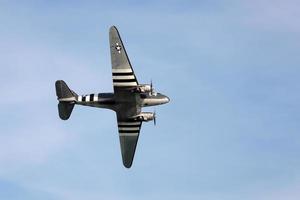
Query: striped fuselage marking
[(92, 98)]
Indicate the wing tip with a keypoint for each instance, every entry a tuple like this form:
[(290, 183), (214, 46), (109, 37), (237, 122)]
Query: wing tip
[(127, 164), (113, 28)]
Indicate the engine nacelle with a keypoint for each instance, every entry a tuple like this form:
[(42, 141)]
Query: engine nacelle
[(144, 88), (145, 116)]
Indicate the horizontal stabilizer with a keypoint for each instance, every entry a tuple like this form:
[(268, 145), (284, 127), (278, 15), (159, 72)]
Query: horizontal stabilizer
[(65, 110)]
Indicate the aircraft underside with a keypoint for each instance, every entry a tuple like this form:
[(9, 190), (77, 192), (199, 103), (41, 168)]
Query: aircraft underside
[(127, 100)]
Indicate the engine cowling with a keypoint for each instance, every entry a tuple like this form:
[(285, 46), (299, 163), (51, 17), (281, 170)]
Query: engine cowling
[(145, 116), (144, 88)]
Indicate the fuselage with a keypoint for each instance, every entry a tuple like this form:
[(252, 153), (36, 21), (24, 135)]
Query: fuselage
[(111, 101)]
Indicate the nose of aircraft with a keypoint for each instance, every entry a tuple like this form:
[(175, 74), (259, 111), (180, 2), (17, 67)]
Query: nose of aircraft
[(162, 98), (166, 99)]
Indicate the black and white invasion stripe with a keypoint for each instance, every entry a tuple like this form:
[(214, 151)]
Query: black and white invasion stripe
[(88, 98), (129, 128), (123, 77)]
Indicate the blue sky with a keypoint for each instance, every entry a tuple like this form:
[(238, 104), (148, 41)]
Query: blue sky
[(230, 132)]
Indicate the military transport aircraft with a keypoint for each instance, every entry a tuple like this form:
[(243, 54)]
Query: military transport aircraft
[(127, 100)]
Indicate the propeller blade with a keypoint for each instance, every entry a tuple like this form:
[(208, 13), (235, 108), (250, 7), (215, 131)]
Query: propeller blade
[(151, 86), (154, 118)]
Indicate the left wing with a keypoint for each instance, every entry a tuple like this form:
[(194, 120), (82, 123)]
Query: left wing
[(129, 131), (124, 80), (123, 74)]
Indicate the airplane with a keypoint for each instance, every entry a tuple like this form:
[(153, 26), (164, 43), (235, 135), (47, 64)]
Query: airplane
[(127, 101)]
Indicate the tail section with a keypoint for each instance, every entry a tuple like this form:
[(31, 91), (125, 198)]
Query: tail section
[(66, 98), (63, 92)]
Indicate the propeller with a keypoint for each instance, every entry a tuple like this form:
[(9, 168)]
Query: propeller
[(152, 92), (154, 118), (151, 86)]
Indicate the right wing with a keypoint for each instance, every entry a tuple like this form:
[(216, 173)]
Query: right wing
[(122, 72), (129, 134)]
